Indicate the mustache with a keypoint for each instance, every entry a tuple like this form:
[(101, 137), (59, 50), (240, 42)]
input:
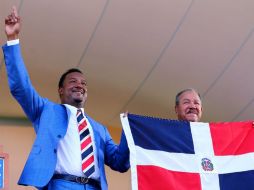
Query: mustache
[(192, 110), (78, 89)]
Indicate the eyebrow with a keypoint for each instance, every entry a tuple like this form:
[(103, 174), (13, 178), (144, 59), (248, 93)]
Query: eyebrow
[(187, 99)]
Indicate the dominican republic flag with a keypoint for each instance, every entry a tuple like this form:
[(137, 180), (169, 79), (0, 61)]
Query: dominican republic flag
[(178, 155)]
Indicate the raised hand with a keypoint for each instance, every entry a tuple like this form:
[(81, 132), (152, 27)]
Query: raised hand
[(12, 25)]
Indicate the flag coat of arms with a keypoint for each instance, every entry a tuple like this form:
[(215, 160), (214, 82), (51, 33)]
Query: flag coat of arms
[(180, 155)]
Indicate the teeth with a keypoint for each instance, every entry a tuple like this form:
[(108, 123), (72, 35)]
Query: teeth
[(81, 91), (191, 112)]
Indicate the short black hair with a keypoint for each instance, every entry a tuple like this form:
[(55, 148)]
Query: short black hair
[(62, 78), (185, 90)]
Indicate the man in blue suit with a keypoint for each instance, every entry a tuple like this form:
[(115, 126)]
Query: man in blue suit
[(54, 162)]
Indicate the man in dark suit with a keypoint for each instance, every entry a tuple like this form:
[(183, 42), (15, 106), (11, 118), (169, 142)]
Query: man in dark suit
[(55, 161)]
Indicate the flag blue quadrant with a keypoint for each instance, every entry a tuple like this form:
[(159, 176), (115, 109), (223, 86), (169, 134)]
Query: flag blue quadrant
[(150, 134), (236, 181)]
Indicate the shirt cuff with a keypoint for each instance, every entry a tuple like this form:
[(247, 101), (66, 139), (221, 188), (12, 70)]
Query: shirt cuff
[(12, 42)]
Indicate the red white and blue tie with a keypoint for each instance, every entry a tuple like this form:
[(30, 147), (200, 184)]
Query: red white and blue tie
[(87, 153)]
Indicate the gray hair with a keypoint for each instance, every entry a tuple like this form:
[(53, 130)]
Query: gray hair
[(183, 91)]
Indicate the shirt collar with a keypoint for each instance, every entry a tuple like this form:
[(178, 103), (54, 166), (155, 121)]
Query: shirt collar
[(73, 109)]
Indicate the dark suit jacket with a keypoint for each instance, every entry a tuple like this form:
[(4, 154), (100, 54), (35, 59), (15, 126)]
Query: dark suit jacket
[(50, 121)]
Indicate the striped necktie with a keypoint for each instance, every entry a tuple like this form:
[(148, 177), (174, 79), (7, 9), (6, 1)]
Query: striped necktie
[(87, 154)]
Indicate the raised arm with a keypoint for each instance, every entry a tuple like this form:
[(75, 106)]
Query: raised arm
[(19, 82), (12, 25)]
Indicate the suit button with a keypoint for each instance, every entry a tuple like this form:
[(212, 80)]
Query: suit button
[(59, 136), (55, 150)]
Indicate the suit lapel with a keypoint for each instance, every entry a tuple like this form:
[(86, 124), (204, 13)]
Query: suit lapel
[(62, 119)]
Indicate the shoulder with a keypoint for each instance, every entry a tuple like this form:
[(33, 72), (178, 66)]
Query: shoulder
[(96, 125), (93, 122)]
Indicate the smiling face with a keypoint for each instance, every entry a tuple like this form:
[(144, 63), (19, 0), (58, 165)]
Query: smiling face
[(189, 107), (73, 90)]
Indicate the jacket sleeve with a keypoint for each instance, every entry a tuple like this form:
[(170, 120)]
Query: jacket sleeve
[(117, 156), (20, 84)]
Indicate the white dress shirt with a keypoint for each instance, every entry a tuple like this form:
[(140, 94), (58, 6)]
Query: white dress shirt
[(69, 152)]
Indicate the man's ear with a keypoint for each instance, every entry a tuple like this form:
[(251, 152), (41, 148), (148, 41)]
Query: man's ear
[(176, 110), (60, 91)]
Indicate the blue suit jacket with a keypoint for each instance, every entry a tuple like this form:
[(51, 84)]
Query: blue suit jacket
[(50, 121)]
